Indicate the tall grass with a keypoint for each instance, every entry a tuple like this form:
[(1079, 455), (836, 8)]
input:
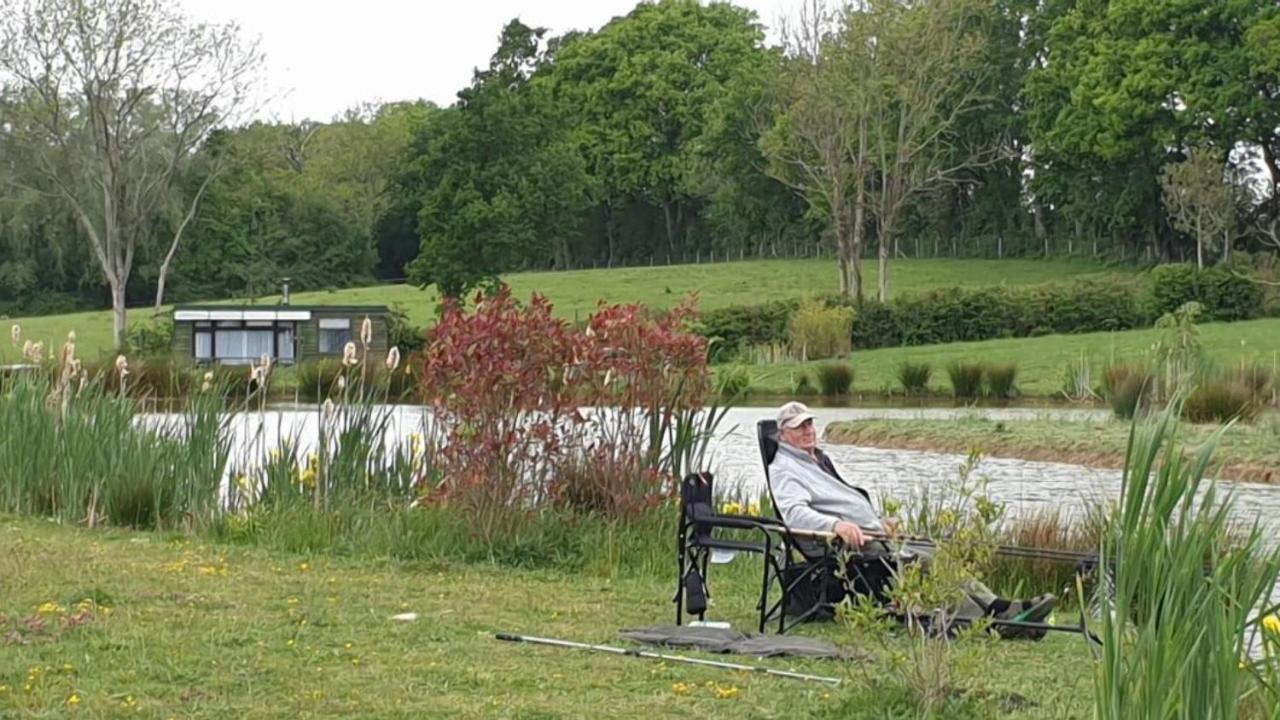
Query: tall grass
[(1187, 589), (84, 456), (966, 380), (1001, 380), (835, 379), (914, 377)]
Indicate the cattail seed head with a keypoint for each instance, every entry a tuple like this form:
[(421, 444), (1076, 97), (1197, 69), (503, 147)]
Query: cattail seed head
[(15, 334), (122, 365), (393, 358), (366, 332), (349, 355)]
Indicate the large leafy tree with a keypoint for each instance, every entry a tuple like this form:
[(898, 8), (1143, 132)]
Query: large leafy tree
[(1127, 86), (643, 90), (501, 186)]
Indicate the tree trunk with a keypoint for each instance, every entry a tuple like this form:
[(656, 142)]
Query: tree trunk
[(119, 324), (671, 225), (859, 238), (1199, 246), (885, 235)]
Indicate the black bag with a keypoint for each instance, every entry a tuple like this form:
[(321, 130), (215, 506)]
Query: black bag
[(695, 593)]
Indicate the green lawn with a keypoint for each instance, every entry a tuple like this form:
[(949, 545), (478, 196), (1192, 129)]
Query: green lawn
[(1245, 452), (1041, 361), (191, 630), (576, 293)]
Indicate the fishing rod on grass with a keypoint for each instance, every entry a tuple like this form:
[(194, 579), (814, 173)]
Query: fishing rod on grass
[(629, 652)]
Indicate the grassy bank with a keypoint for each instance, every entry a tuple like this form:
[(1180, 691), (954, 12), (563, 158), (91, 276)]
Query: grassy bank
[(576, 293), (184, 629), (1246, 452), (1041, 361)]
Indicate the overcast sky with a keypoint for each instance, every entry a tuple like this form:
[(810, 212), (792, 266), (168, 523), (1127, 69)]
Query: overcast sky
[(323, 56)]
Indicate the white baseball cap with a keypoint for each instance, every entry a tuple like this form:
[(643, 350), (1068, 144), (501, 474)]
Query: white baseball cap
[(793, 415)]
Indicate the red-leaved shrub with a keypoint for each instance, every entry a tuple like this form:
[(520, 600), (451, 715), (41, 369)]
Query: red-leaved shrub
[(528, 411)]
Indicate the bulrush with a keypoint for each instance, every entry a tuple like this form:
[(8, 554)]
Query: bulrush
[(122, 365), (393, 358), (15, 334), (33, 351), (207, 384), (349, 358), (366, 332)]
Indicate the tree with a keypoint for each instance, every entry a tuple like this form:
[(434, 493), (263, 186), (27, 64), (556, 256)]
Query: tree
[(111, 100), (501, 184), (819, 143), (641, 91), (1200, 201)]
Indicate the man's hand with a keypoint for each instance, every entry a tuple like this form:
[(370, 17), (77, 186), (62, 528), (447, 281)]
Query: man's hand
[(850, 533)]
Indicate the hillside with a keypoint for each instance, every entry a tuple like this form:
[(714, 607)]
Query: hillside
[(576, 293)]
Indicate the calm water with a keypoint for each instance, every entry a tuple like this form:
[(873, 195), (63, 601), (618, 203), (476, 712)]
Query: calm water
[(1025, 486)]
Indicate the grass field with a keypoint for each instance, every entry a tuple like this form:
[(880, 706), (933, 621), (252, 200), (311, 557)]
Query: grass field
[(576, 293), (1245, 452), (1042, 361), (182, 629)]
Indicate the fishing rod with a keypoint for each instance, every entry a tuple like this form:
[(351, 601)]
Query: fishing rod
[(629, 652), (1034, 553)]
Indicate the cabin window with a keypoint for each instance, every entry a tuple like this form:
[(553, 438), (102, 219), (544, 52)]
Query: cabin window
[(335, 333)]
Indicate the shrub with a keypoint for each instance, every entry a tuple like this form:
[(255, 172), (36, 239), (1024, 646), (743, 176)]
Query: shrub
[(1001, 380), (732, 328), (876, 326), (733, 381), (505, 383), (317, 379), (966, 380), (835, 379), (818, 331), (954, 315), (150, 339), (914, 377), (1220, 400), (1225, 294), (1127, 388)]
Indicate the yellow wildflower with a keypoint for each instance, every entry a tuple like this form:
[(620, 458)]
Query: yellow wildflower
[(50, 608), (1271, 624), (753, 508), (304, 567), (726, 692), (74, 700), (682, 688)]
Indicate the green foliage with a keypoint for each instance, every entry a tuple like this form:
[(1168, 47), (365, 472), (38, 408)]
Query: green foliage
[(966, 380), (914, 377), (817, 331), (1223, 293), (732, 381), (835, 379), (150, 339), (1178, 626), (803, 386), (733, 328), (1001, 380)]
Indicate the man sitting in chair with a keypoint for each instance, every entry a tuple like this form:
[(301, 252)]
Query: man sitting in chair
[(811, 495)]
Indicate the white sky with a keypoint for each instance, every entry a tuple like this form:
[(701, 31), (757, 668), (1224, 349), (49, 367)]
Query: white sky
[(323, 56)]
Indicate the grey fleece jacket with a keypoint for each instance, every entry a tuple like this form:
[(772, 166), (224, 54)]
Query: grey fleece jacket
[(811, 498)]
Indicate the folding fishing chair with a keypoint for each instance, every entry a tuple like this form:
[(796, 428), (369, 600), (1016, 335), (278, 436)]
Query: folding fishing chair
[(703, 531)]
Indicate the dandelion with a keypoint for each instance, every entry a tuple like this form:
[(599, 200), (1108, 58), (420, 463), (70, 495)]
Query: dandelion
[(349, 358), (366, 332), (726, 692), (682, 688), (50, 608), (15, 334), (304, 567), (1271, 624), (393, 359), (74, 700)]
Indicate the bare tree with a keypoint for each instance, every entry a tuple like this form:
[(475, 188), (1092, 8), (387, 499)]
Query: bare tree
[(1200, 200), (819, 144), (109, 102), (925, 59)]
